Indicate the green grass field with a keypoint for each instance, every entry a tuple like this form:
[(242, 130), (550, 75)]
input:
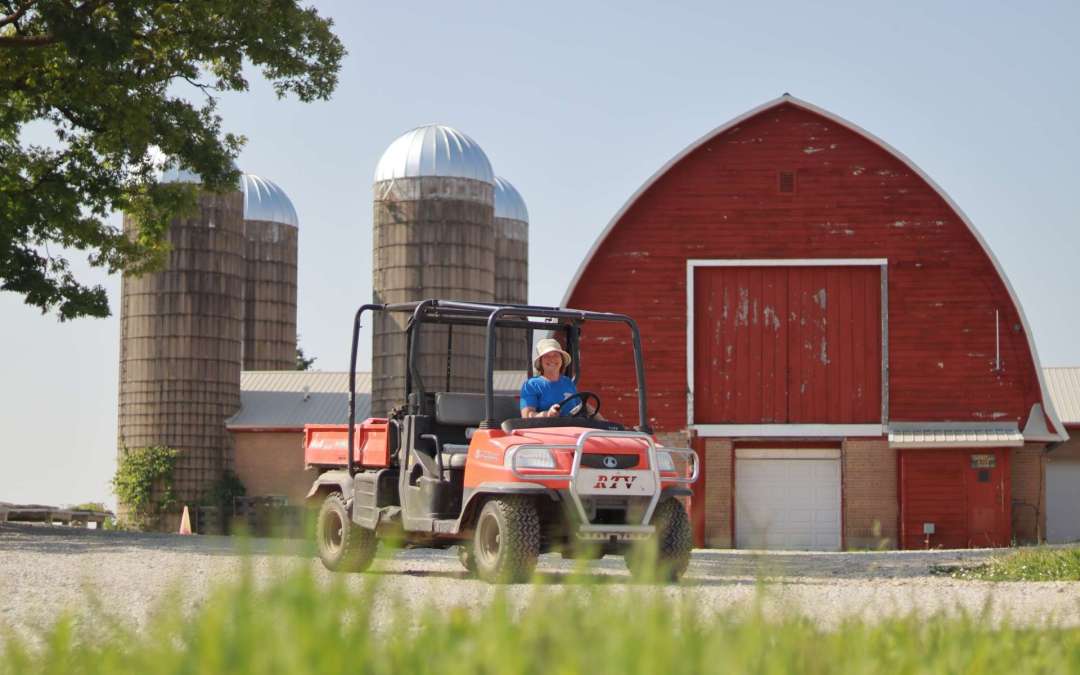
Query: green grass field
[(296, 625), (1030, 564)]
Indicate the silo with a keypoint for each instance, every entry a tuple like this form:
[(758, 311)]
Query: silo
[(180, 342), (433, 238), (511, 270), (270, 228)]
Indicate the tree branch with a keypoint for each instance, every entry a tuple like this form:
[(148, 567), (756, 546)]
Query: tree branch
[(71, 116), (9, 41), (18, 13)]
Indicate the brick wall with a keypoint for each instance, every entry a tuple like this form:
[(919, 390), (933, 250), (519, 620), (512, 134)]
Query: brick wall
[(1028, 494), (720, 470), (273, 464), (673, 439), (870, 501)]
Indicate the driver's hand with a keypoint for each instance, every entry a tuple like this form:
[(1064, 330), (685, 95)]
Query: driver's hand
[(553, 411)]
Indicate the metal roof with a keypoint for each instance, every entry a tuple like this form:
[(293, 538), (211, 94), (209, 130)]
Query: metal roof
[(508, 201), (293, 398), (954, 435), (1064, 386), (434, 150), (289, 399), (265, 200)]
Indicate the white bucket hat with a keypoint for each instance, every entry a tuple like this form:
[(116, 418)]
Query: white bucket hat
[(546, 346)]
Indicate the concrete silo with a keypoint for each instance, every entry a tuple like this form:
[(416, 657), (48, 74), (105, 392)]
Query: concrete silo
[(511, 270), (180, 342), (270, 228), (433, 238)]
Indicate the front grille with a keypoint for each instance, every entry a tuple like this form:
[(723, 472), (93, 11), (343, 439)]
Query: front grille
[(596, 461)]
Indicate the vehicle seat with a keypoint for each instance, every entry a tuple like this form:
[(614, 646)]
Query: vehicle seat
[(454, 455), (467, 409)]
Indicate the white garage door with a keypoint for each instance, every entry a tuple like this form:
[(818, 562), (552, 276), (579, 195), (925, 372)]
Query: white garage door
[(787, 499), (1062, 500)]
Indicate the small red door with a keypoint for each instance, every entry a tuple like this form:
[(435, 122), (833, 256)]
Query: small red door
[(986, 490), (954, 498)]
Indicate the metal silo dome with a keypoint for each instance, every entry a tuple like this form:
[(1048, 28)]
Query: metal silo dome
[(434, 150), (508, 201), (265, 200)]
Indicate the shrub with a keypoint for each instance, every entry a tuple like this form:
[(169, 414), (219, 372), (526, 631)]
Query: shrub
[(143, 482)]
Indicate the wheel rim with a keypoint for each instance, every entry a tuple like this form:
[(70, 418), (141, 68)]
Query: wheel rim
[(488, 539), (333, 531)]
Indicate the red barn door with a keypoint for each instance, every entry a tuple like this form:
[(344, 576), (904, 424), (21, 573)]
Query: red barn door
[(962, 495), (787, 345)]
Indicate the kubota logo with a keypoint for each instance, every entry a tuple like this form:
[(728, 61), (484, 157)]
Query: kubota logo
[(610, 462)]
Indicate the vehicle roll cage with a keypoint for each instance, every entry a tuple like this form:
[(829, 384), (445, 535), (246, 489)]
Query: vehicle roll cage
[(489, 316)]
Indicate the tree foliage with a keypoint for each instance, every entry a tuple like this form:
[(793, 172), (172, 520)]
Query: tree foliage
[(303, 362), (112, 81)]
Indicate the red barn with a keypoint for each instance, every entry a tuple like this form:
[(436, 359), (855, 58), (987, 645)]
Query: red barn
[(830, 332)]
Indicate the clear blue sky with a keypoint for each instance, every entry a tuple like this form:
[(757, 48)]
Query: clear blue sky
[(577, 104)]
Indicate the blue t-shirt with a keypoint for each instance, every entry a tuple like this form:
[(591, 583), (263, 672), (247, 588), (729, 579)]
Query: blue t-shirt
[(540, 393)]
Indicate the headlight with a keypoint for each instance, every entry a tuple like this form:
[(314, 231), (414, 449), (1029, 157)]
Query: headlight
[(531, 458), (664, 461)]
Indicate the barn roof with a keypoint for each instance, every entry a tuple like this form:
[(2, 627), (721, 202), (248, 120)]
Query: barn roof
[(289, 399), (1064, 385), (1055, 432)]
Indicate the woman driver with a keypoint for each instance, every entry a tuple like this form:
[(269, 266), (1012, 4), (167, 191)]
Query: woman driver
[(542, 395)]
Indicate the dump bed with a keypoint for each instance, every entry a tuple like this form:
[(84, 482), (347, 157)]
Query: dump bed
[(324, 444)]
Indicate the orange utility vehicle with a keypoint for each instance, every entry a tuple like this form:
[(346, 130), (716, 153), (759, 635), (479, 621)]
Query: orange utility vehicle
[(464, 468)]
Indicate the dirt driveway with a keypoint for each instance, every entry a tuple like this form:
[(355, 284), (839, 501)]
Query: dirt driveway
[(44, 571)]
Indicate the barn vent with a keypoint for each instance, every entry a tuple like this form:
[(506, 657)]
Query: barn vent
[(787, 181)]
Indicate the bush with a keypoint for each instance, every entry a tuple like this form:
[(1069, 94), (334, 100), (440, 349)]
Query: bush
[(223, 491), (143, 482)]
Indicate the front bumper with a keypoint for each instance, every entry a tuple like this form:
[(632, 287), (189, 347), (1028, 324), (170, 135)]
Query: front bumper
[(587, 529)]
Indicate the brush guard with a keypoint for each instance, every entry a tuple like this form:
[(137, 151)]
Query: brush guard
[(592, 532)]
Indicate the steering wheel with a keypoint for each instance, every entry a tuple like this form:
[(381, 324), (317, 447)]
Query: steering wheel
[(583, 409)]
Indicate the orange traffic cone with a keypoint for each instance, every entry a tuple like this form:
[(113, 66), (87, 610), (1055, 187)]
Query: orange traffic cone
[(185, 522)]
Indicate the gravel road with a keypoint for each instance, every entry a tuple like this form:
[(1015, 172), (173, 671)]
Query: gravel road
[(47, 570)]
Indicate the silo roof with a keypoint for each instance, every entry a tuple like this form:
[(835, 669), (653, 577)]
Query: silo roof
[(508, 201), (265, 200), (434, 150)]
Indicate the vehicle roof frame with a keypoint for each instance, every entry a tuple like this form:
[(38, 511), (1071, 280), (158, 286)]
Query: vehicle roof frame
[(491, 316)]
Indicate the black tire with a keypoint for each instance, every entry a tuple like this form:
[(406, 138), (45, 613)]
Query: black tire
[(666, 556), (467, 559), (343, 545), (506, 543)]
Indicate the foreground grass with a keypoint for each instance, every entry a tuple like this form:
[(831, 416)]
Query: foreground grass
[(1033, 564), (297, 625)]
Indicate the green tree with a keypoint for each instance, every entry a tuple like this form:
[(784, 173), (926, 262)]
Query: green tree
[(109, 78), (302, 362)]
